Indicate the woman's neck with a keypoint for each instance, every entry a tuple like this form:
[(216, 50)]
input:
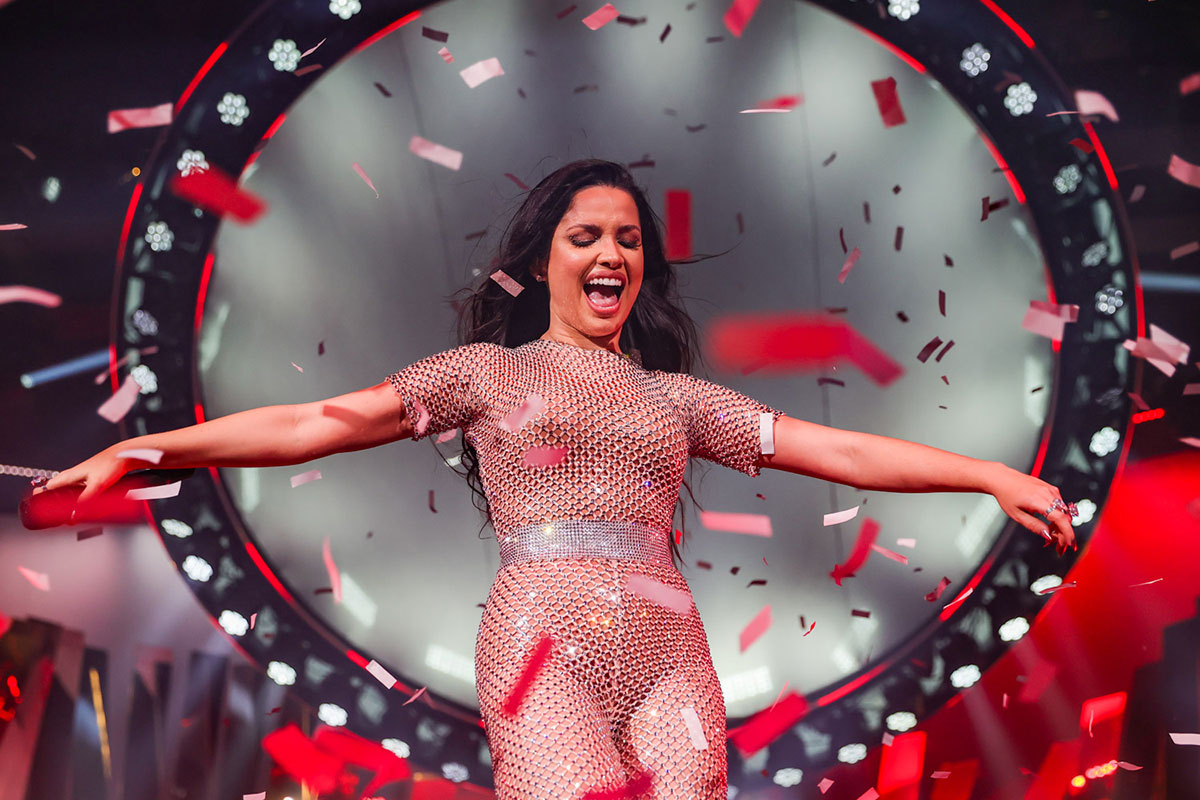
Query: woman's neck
[(568, 336)]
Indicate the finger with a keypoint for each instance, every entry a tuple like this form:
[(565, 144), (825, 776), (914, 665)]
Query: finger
[(1032, 523), (68, 477), (97, 486), (1062, 524)]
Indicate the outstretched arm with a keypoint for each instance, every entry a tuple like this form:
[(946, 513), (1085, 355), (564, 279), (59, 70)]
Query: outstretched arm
[(867, 461), (260, 437)]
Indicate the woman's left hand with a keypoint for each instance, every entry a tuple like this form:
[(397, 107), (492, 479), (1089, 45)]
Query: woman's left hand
[(1024, 496)]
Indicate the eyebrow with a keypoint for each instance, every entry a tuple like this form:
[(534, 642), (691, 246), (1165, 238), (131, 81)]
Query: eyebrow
[(590, 228)]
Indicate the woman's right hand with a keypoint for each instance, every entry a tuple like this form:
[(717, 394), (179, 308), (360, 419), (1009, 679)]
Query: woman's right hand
[(93, 476)]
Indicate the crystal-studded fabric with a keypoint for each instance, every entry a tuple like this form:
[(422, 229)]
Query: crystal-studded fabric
[(609, 704)]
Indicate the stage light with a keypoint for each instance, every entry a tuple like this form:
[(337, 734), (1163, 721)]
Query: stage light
[(1044, 584), (345, 8), (788, 776), (284, 55), (397, 746), (1095, 254), (66, 369), (145, 378), (743, 685), (191, 161), (1019, 99), (1086, 509), (965, 676), (901, 721), (332, 714), (1013, 629), (233, 623), (1078, 781), (281, 673), (1104, 441), (852, 753), (177, 528), (1068, 179), (233, 109), (197, 568), (159, 237), (144, 322), (903, 9), (975, 60), (1109, 299), (51, 188), (453, 771)]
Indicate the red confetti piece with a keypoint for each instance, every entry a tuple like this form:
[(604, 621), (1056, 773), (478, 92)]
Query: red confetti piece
[(92, 533), (366, 179), (757, 582), (601, 16), (1145, 583), (545, 456), (253, 618), (738, 15), (644, 586), (889, 102), (511, 286), (436, 35), (416, 694), (703, 565), (305, 70), (631, 790), (566, 11), (335, 575), (537, 659), (422, 423), (942, 302), (438, 154), (782, 343), (940, 775), (431, 506), (305, 477), (302, 759), (858, 556), (859, 613), (1184, 171), (216, 192), (520, 183), (1058, 588), (782, 104), (1138, 192), (1184, 250), (1189, 84), (662, 37), (848, 265), (755, 629), (943, 352), (28, 294), (116, 407), (928, 349), (883, 551), (25, 151), (382, 89), (520, 416), (900, 315), (481, 71), (733, 522), (899, 237), (767, 726), (39, 580), (869, 794), (867, 212), (350, 748), (1185, 738), (127, 118), (1082, 145), (679, 224), (810, 629), (989, 206)]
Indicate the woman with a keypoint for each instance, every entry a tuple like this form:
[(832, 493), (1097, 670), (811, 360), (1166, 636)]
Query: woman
[(580, 451)]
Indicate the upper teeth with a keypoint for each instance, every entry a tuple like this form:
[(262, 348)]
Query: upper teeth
[(606, 281)]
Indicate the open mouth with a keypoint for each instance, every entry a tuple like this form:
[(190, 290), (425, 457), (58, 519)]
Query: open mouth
[(604, 294)]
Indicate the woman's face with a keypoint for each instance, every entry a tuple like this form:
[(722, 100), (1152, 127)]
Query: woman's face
[(594, 270)]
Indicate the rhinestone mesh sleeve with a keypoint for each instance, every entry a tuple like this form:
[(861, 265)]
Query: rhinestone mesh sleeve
[(627, 431)]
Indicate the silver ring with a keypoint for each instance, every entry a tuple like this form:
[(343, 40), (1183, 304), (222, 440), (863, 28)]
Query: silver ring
[(1057, 505), (40, 480)]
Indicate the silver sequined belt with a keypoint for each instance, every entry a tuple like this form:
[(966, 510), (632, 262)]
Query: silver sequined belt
[(585, 538)]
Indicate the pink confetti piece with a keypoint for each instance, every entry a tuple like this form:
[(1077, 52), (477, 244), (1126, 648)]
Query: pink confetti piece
[(40, 580), (520, 416), (362, 174), (733, 522), (25, 151), (381, 674), (142, 454), (1004, 700), (446, 436), (416, 694), (1184, 250), (255, 796), (218, 193), (1184, 171), (755, 629), (883, 551), (906, 543), (444, 52), (869, 794), (695, 731), (152, 117), (438, 154), (766, 433), (858, 556), (768, 725), (1189, 84), (887, 740), (312, 49), (1138, 193), (838, 517), (1190, 441), (601, 16), (940, 775), (253, 619), (154, 492), (305, 477), (1041, 323), (335, 575), (28, 294), (1174, 348), (889, 102), (848, 265), (1128, 766), (423, 418), (1089, 102), (116, 407), (544, 456), (505, 280), (481, 71), (956, 602), (299, 368), (738, 15), (13, 226), (657, 592), (824, 785), (1186, 738), (537, 659)]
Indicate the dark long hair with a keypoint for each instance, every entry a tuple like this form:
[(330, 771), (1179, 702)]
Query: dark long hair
[(658, 327)]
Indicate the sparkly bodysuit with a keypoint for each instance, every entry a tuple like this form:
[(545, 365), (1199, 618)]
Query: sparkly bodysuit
[(629, 687)]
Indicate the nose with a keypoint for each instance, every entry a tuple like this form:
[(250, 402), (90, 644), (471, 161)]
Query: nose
[(610, 253)]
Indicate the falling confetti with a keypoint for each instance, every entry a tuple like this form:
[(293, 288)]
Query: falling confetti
[(989, 207), (312, 49), (889, 102), (601, 16), (936, 594), (738, 15), (366, 179), (127, 118), (851, 260), (644, 586), (13, 226), (438, 154), (838, 517), (883, 551), (953, 605), (116, 407), (335, 576), (824, 785), (217, 193), (1095, 103), (1184, 171), (39, 580), (381, 674), (511, 286), (436, 35), (928, 349), (733, 522), (481, 71), (305, 477), (1186, 738), (416, 694), (299, 368), (767, 726), (28, 294), (154, 492), (537, 659), (755, 629)]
